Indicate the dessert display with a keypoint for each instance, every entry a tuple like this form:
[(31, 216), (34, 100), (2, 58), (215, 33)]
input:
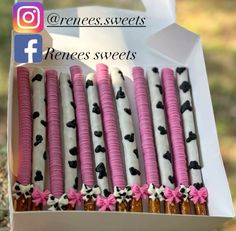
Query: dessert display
[(83, 128)]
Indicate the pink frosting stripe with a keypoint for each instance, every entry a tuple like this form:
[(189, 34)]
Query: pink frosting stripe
[(174, 122), (110, 126), (25, 126), (75, 70), (53, 134), (83, 130), (145, 127)]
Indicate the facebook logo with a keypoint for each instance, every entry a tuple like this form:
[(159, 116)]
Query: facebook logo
[(28, 48)]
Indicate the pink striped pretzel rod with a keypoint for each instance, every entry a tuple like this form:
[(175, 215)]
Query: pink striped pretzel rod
[(89, 190), (121, 192), (23, 188), (176, 136), (146, 134), (57, 199)]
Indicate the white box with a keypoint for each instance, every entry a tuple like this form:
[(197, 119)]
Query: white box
[(161, 43)]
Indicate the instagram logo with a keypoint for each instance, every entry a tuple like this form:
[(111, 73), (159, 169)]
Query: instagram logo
[(28, 17)]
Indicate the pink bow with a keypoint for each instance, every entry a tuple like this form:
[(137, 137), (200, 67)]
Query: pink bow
[(172, 195), (106, 203), (75, 198), (40, 197), (198, 195), (140, 191)]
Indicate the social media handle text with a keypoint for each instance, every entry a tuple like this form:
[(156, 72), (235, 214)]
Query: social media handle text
[(53, 54)]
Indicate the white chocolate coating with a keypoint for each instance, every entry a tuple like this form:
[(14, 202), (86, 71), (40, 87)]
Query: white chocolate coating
[(126, 128), (69, 144), (192, 148), (39, 129), (97, 135), (159, 121)]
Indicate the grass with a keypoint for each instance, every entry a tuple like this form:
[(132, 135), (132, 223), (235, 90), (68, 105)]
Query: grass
[(214, 20)]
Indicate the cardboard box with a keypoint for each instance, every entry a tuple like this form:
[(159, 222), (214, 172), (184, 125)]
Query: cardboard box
[(161, 43)]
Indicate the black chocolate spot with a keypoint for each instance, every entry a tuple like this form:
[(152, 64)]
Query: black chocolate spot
[(135, 151), (101, 170), (73, 151), (89, 83), (162, 130), (96, 108), (73, 104), (155, 70), (185, 86), (130, 137), (167, 156), (194, 165), (128, 111), (44, 123), (99, 148), (186, 106), (36, 114), (72, 163), (191, 136), (134, 171), (180, 70), (38, 176), (71, 124), (160, 105), (121, 74), (160, 88), (120, 94), (37, 77), (70, 83), (98, 133), (171, 179), (45, 155), (76, 185), (39, 139)]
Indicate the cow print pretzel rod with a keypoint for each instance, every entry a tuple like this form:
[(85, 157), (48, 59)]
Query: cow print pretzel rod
[(147, 140), (123, 194), (88, 191), (69, 143), (106, 201), (161, 136), (22, 189), (129, 142), (198, 192), (57, 200), (39, 196), (176, 136)]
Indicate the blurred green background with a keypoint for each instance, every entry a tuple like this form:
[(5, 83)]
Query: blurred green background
[(214, 20)]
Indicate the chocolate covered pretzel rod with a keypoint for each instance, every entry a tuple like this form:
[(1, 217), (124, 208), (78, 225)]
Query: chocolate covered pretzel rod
[(106, 201), (147, 140), (122, 194), (177, 142), (57, 200), (69, 145), (128, 140), (22, 189), (89, 191), (197, 191), (39, 195), (161, 135)]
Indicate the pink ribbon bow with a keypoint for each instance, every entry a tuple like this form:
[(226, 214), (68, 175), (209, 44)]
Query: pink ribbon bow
[(140, 191), (75, 198), (40, 197), (198, 195), (172, 195), (106, 203)]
